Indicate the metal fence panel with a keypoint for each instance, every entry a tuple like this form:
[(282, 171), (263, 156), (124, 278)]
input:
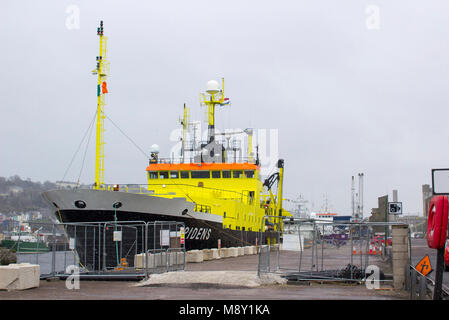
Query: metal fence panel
[(421, 287), (121, 248), (329, 251)]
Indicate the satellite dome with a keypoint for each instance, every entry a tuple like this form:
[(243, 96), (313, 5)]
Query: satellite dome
[(212, 87), (154, 148)]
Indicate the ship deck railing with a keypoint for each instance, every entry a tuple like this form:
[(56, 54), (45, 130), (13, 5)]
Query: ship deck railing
[(131, 188), (191, 160)]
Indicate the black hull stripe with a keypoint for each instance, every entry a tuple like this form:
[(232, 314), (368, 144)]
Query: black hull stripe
[(228, 237)]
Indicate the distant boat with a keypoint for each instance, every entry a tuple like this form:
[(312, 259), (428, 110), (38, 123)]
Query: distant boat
[(24, 242)]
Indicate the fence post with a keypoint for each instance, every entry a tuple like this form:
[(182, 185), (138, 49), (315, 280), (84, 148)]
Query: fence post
[(352, 246), (301, 247), (268, 258), (167, 268), (93, 247), (65, 255), (99, 247), (104, 246), (316, 251), (53, 254), (413, 284), (422, 287), (361, 246), (313, 245), (184, 255), (85, 244), (37, 248), (145, 256), (322, 249), (368, 239)]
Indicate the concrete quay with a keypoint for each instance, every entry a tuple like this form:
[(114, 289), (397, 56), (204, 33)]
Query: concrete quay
[(129, 290)]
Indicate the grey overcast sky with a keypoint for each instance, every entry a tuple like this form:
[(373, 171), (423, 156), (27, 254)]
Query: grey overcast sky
[(351, 86)]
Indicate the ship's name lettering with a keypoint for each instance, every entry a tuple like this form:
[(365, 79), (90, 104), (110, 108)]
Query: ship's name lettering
[(197, 233)]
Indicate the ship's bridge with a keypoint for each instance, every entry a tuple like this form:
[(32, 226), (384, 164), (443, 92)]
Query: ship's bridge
[(229, 176), (205, 183)]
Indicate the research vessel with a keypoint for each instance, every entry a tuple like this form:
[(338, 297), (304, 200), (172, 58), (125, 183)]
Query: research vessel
[(221, 198)]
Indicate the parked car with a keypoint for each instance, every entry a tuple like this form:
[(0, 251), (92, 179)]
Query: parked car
[(418, 235), (377, 238), (380, 239)]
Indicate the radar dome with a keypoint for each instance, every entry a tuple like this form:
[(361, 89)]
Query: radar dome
[(154, 148), (212, 87)]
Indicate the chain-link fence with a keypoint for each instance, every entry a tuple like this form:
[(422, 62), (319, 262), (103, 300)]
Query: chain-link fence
[(329, 251), (122, 249)]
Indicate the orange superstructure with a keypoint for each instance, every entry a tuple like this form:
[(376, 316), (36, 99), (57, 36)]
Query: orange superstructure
[(201, 166)]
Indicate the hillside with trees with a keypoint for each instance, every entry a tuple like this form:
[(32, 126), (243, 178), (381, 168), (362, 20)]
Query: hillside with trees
[(17, 195)]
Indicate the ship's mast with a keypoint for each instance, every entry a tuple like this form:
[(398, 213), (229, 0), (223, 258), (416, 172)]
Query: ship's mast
[(101, 70), (185, 126), (213, 96), (280, 186)]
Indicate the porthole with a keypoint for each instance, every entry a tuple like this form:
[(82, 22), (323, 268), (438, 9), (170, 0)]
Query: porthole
[(80, 204)]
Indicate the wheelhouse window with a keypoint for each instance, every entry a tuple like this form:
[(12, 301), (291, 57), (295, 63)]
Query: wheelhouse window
[(236, 173), (226, 174), (174, 174), (216, 174), (200, 174), (249, 174), (184, 174), (152, 174), (163, 174)]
